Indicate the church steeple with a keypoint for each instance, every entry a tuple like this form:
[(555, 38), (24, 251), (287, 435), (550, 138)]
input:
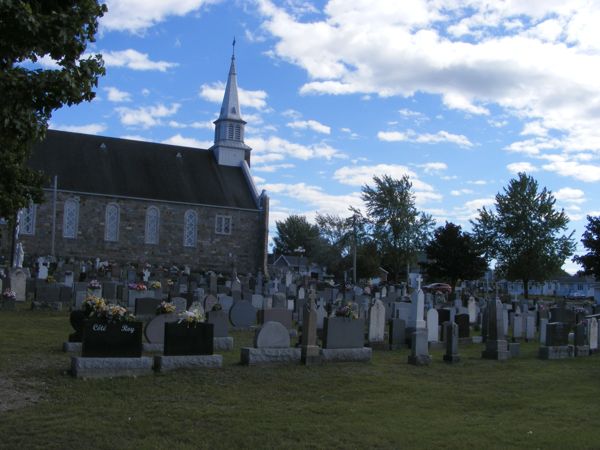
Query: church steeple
[(229, 147)]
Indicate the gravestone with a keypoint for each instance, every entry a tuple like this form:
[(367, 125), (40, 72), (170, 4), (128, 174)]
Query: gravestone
[(417, 309), (181, 339), (109, 290), (530, 327), (472, 308), (279, 301), (462, 320), (146, 306), (310, 350), (495, 345), (220, 323), (581, 346), (342, 332), (397, 334), (444, 316), (451, 331), (242, 314), (543, 324), (180, 304), (283, 316), (377, 323), (17, 280), (155, 329), (517, 326), (419, 355), (593, 334), (272, 335), (210, 301), (321, 314), (433, 330), (226, 302), (557, 342), (258, 301), (112, 340)]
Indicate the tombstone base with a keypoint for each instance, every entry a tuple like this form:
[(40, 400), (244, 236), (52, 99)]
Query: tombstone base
[(8, 305), (452, 359), (310, 355), (165, 363), (497, 350), (437, 345), (152, 348), (251, 356), (514, 348), (582, 350), (477, 339), (465, 341), (556, 352), (223, 344), (419, 360), (378, 345), (110, 367), (363, 354), (71, 347)]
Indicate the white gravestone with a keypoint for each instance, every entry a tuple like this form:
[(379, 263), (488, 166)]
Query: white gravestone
[(433, 331), (593, 333), (377, 322), (417, 307), (472, 308)]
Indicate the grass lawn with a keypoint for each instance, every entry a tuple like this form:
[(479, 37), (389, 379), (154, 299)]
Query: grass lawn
[(481, 404)]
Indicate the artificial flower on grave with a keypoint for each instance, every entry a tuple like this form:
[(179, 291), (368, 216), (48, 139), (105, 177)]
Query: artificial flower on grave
[(170, 282), (192, 317), (217, 307), (137, 286), (165, 308), (93, 305), (9, 294), (117, 313), (155, 285), (50, 279), (346, 311), (94, 284)]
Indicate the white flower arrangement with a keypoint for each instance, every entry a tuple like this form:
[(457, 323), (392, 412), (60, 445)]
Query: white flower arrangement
[(191, 317)]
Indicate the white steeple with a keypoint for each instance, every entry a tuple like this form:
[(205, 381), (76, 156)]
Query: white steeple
[(229, 148)]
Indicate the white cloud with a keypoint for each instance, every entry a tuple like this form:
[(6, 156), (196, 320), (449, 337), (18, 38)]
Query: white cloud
[(583, 172), (521, 167), (433, 167), (570, 195), (425, 138), (310, 125), (458, 192), (187, 142), (146, 116), (90, 128), (116, 95), (198, 124), (248, 99), (132, 59), (276, 149), (138, 15), (272, 167)]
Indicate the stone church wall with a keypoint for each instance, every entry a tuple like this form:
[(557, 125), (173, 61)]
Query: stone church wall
[(213, 251)]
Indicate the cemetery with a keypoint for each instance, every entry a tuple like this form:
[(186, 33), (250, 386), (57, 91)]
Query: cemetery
[(353, 364)]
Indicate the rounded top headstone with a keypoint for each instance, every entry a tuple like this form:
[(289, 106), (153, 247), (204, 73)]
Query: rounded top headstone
[(155, 330), (242, 314), (272, 335)]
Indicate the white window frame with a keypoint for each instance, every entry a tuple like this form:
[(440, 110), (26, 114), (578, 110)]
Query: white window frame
[(223, 224), (151, 236), (190, 229), (71, 206), (30, 212), (108, 234)]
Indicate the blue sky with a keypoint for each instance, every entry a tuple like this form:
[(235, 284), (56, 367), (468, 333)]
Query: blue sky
[(458, 94)]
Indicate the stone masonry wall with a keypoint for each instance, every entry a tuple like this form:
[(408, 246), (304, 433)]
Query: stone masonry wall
[(213, 251)]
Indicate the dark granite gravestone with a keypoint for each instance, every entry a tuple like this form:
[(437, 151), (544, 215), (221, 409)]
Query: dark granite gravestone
[(181, 339), (112, 340), (220, 323), (580, 335), (564, 315), (283, 316), (443, 316), (397, 333), (48, 293), (64, 294), (462, 320), (557, 334), (279, 301), (242, 314), (452, 333), (155, 329), (76, 319), (342, 332), (109, 290), (146, 306), (419, 355)]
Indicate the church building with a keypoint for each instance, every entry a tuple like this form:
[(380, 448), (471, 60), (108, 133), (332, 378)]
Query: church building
[(131, 201)]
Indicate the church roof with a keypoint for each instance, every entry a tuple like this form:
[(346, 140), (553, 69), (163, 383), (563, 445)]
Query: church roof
[(120, 167)]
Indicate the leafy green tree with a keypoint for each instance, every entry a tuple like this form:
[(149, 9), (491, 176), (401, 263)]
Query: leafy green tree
[(591, 241), (523, 233), (294, 233), (452, 255), (399, 229), (31, 30)]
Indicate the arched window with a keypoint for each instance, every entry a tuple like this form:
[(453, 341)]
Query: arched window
[(190, 228), (27, 220), (71, 218), (152, 224), (111, 223)]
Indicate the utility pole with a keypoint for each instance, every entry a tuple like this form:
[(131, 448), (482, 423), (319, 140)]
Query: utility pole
[(354, 250)]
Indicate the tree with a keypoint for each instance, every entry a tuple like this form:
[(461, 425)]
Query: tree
[(295, 232), (399, 229), (31, 30), (452, 255), (591, 241), (523, 234)]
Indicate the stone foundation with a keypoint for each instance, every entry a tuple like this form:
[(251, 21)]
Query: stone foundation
[(110, 367), (363, 354), (257, 356), (166, 363), (556, 352)]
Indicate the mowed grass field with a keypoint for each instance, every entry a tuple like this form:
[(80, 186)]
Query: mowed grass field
[(521, 403)]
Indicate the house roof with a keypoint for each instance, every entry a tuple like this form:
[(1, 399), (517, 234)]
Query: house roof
[(122, 167)]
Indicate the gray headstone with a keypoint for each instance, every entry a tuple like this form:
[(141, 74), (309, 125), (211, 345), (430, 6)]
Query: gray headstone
[(209, 301), (272, 335), (451, 333), (155, 330), (377, 322), (258, 301), (433, 330), (242, 314), (220, 323), (180, 303)]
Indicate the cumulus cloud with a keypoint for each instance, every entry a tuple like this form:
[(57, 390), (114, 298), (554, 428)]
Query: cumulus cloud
[(90, 128), (275, 148), (433, 167), (518, 167), (424, 138), (214, 92), (132, 59), (146, 116), (178, 139), (570, 195), (116, 95), (310, 125)]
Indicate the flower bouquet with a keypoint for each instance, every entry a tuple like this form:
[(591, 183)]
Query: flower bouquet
[(165, 308), (93, 305), (155, 285), (137, 286), (94, 284), (8, 294), (191, 318), (346, 311), (217, 307)]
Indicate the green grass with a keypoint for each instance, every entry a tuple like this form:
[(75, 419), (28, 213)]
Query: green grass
[(523, 402)]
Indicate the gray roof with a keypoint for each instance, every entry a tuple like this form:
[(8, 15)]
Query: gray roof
[(121, 167)]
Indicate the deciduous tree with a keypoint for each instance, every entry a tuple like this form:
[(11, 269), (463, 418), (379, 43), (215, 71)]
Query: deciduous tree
[(591, 241)]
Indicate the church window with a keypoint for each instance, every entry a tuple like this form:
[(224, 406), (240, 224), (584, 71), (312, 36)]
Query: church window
[(230, 131), (223, 224), (70, 218), (237, 133), (152, 225), (27, 220), (190, 228), (111, 223)]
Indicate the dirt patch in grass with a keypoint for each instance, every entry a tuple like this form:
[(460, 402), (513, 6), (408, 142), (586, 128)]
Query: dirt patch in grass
[(16, 397)]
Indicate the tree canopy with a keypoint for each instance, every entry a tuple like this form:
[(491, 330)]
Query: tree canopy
[(399, 229), (452, 255), (523, 232), (296, 233), (57, 33), (591, 241)]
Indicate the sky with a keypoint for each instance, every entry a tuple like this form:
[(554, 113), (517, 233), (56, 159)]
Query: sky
[(460, 95)]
